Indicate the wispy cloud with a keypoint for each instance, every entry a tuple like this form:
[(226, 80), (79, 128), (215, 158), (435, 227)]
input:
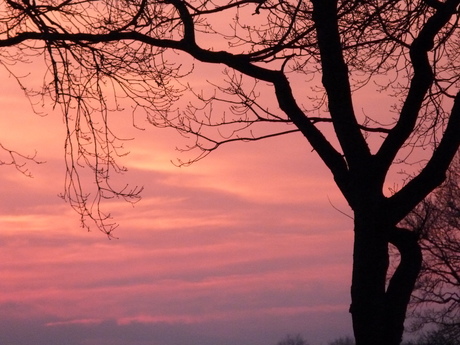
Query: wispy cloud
[(237, 249)]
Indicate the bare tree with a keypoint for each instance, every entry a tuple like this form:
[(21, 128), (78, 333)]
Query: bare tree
[(293, 340), (439, 336), (342, 341), (436, 297), (272, 50)]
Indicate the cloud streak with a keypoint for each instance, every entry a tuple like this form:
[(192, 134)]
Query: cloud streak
[(237, 249)]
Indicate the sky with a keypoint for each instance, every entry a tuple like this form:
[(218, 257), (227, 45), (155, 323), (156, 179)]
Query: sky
[(241, 248)]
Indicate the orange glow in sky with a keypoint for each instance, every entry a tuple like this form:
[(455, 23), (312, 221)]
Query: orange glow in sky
[(241, 248)]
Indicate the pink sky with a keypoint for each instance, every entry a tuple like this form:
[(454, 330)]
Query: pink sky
[(241, 248)]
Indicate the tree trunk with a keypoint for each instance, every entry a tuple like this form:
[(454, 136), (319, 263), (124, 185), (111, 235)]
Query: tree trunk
[(402, 282), (370, 264), (378, 313)]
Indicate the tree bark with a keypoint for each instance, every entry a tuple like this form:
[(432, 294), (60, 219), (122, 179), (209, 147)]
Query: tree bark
[(370, 264)]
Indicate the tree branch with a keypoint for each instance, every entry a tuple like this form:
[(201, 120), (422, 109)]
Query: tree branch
[(434, 173), (337, 85), (420, 83)]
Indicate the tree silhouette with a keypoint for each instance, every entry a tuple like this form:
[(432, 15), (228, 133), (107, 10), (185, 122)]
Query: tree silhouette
[(342, 341), (290, 66), (439, 336), (436, 219), (293, 340)]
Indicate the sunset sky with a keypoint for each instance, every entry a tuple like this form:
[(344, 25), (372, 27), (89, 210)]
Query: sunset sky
[(241, 248)]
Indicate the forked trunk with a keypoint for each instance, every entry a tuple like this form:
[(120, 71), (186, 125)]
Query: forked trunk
[(402, 282), (378, 313)]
